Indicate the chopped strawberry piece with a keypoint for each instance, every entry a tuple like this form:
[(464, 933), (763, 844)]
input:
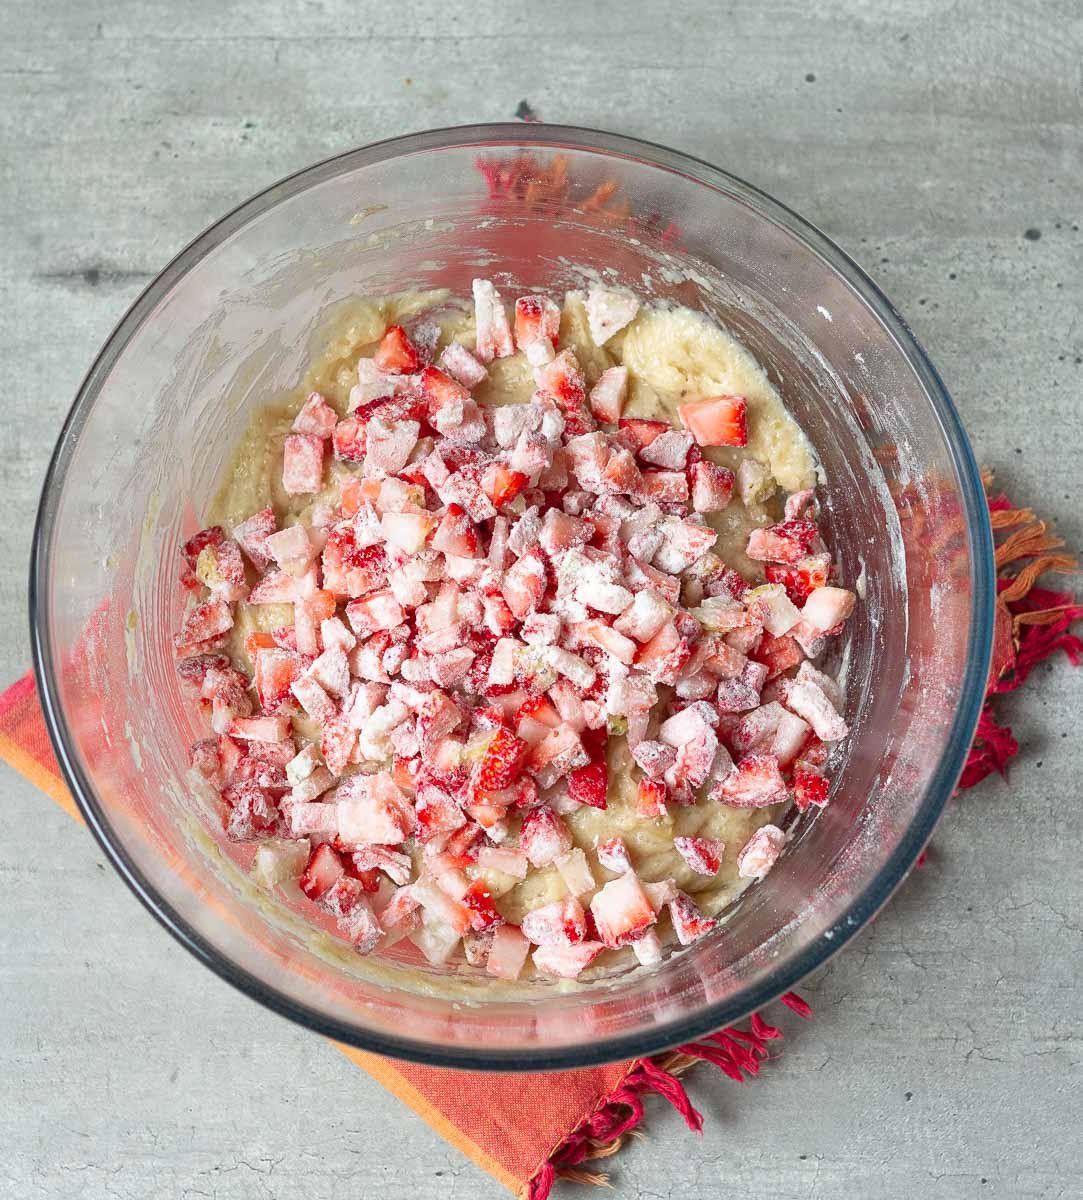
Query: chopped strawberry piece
[(712, 486), (462, 366), (810, 786), (828, 607), (664, 656), (811, 696), (689, 924), (669, 450), (703, 855), (758, 855), (456, 534), (396, 354), (198, 542), (778, 654), (524, 584), (537, 324), (801, 578), (316, 417), (372, 811), (479, 900), (666, 487), (440, 390), (544, 837), (264, 729), (608, 313), (193, 669), (716, 420), (508, 952), (322, 871), (640, 432), (590, 784), (613, 855), (501, 484), (566, 962), (503, 761), (562, 923), (302, 464), (253, 815), (756, 783), (494, 338), (348, 440), (563, 380), (621, 910), (205, 622), (608, 395), (789, 542), (251, 535)]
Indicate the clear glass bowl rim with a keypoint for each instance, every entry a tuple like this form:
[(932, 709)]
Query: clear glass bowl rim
[(862, 908)]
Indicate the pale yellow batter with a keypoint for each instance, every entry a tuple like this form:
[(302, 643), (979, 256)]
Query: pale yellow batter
[(673, 355)]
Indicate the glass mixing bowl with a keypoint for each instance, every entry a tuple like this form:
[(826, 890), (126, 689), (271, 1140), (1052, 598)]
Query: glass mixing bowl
[(233, 318)]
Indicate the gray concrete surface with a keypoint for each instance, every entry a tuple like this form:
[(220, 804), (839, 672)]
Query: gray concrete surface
[(941, 145)]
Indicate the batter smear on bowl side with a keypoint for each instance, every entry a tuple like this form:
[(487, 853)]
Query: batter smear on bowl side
[(506, 628)]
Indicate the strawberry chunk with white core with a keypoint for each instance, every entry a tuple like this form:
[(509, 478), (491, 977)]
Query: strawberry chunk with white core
[(456, 361), (613, 855), (322, 871), (758, 855), (396, 354), (703, 855), (500, 858), (494, 338), (537, 324), (827, 607), (302, 464), (712, 487), (316, 417), (293, 549), (608, 394), (251, 535), (689, 924), (576, 873), (807, 697), (648, 948), (716, 420), (669, 450), (566, 962), (205, 622), (755, 783), (371, 811), (621, 910), (507, 953), (562, 923), (608, 313), (544, 837), (388, 446)]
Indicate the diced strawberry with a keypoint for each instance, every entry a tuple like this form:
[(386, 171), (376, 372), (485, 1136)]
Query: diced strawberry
[(703, 855), (664, 656), (566, 962), (264, 729), (501, 484), (608, 312), (456, 534), (543, 836), (253, 815), (788, 542), (437, 813), (608, 395), (590, 784), (561, 923), (479, 900), (537, 324), (207, 761), (668, 450), (503, 761), (401, 911), (828, 607), (716, 420), (395, 864), (563, 380), (494, 338), (440, 390), (193, 669), (372, 811), (689, 924), (316, 417), (323, 869), (251, 535), (712, 486), (198, 542), (337, 742), (778, 654), (759, 853), (524, 584), (348, 440), (666, 487), (376, 611), (810, 786), (613, 855), (508, 952), (205, 622), (800, 578), (302, 464), (540, 709), (462, 366), (396, 354), (756, 783), (639, 432), (621, 910), (811, 695)]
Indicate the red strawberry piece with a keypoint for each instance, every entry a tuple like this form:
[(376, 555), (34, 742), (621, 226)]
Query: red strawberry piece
[(622, 477), (503, 761), (689, 924), (205, 622), (251, 535), (827, 608), (337, 741), (348, 439), (703, 855), (253, 814), (263, 729), (349, 569), (788, 542), (561, 923), (639, 433), (755, 783), (666, 487), (494, 338), (508, 952), (205, 759), (563, 380), (613, 855), (479, 900), (396, 354), (539, 709), (621, 910), (193, 669), (401, 911), (198, 542), (501, 484), (437, 813), (778, 654), (524, 584), (316, 417), (277, 754), (229, 755), (537, 324), (322, 871), (810, 786), (651, 798), (566, 962), (664, 656), (760, 852), (608, 395), (716, 420), (800, 578), (462, 366), (590, 784), (712, 486), (271, 777), (456, 534), (543, 836), (440, 390), (302, 464)]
